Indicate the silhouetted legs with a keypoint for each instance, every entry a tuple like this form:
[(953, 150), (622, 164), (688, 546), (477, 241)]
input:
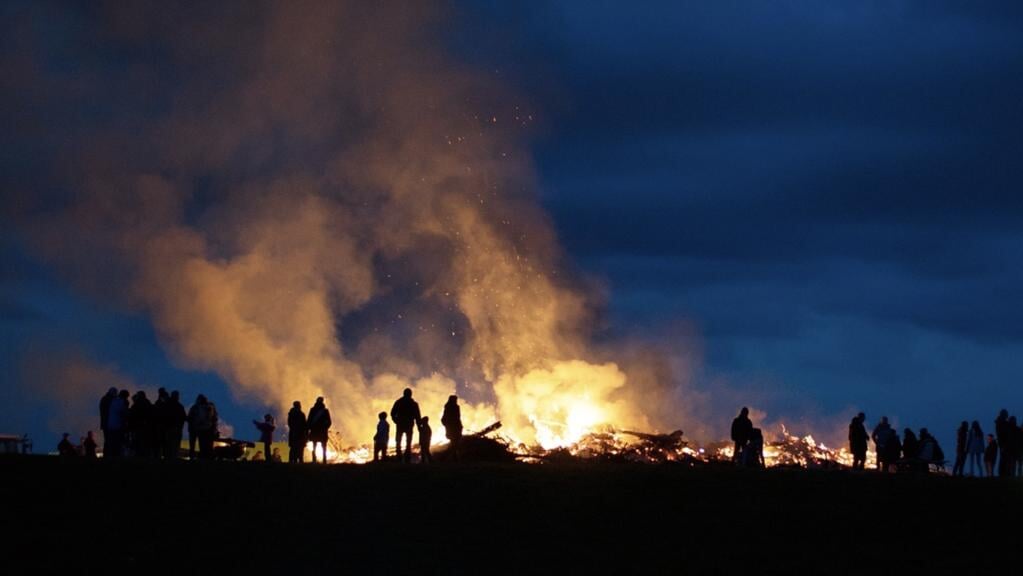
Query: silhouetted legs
[(405, 431)]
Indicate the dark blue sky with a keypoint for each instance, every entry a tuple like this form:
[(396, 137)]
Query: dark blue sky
[(826, 194)]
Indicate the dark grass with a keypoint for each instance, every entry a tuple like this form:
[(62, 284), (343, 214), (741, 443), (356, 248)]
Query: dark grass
[(249, 518)]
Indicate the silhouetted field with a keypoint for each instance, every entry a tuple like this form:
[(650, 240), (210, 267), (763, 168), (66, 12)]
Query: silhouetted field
[(231, 518)]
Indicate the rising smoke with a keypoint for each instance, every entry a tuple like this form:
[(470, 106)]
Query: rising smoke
[(313, 199)]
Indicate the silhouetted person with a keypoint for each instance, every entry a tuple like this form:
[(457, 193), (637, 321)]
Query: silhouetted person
[(425, 436), (858, 441), (104, 415), (89, 445), (266, 434), (160, 423), (319, 425), (405, 414), (893, 451), (910, 445), (962, 434), (975, 448), (753, 453), (452, 421), (881, 435), (140, 424), (176, 418), (930, 452), (298, 433), (117, 426), (1003, 434), (381, 437), (742, 427), (1015, 446), (65, 448), (990, 455), (202, 427)]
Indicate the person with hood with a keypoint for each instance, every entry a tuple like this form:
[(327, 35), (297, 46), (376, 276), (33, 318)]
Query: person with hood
[(742, 428), (452, 421), (405, 415), (298, 433), (319, 426)]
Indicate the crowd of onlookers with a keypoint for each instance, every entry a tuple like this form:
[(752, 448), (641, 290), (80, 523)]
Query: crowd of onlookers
[(999, 454), (135, 427)]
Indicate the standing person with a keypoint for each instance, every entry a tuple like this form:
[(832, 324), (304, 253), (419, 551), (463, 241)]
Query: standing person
[(452, 421), (381, 437), (858, 441), (753, 453), (1015, 448), (192, 418), (65, 447), (202, 427), (176, 419), (405, 413), (266, 434), (117, 426), (990, 455), (1002, 434), (104, 415), (298, 433), (910, 445), (881, 435), (975, 448), (161, 423), (742, 427), (425, 436), (961, 443), (1019, 450), (319, 426), (893, 451), (140, 424), (89, 445)]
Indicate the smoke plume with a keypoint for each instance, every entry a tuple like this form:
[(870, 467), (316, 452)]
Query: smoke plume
[(312, 199)]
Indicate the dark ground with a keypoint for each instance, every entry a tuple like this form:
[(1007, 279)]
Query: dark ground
[(81, 517)]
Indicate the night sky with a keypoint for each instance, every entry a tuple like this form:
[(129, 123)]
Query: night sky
[(817, 203)]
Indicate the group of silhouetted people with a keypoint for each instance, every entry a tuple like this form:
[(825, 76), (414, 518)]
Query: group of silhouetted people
[(135, 427), (912, 452), (406, 416), (302, 430), (749, 441), (1001, 452)]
